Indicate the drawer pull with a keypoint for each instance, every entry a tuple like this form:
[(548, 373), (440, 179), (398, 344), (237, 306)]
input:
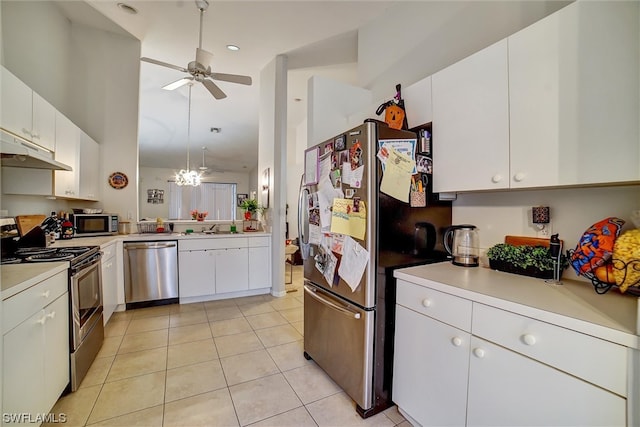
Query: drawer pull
[(42, 320), (426, 302), (478, 352), (528, 339), (46, 294), (457, 341), (51, 315)]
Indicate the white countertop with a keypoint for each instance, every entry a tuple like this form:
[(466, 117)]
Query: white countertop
[(106, 240), (574, 305), (18, 277)]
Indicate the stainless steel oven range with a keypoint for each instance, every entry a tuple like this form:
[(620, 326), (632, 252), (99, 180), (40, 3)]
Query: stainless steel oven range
[(85, 297)]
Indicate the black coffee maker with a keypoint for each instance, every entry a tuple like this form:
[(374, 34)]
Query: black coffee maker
[(424, 239)]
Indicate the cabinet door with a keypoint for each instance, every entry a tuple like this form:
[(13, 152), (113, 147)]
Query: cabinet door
[(197, 273), (508, 389), (23, 367), (89, 167), (67, 151), (574, 85), (471, 123), (56, 345), (44, 123), (259, 268), (430, 369), (16, 105), (109, 284), (232, 270), (417, 102)]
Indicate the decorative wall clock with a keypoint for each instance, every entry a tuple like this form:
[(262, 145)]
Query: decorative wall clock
[(118, 180)]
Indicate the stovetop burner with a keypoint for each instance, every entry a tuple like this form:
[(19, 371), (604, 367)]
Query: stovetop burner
[(74, 254), (48, 257)]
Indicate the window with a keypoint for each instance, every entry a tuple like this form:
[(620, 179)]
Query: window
[(219, 200)]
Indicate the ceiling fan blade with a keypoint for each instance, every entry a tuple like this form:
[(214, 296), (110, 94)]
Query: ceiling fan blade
[(164, 64), (214, 89), (233, 78), (178, 83), (203, 57)]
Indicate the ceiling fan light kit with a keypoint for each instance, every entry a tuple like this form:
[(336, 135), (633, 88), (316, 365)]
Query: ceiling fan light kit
[(200, 69), (187, 176)]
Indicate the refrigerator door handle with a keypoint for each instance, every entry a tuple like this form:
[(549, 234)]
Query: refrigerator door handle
[(302, 202), (315, 295)]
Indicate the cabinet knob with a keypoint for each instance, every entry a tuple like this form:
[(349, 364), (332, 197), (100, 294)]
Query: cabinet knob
[(46, 294), (426, 302), (478, 352), (528, 339), (42, 320), (457, 341), (496, 178), (518, 177), (51, 315)]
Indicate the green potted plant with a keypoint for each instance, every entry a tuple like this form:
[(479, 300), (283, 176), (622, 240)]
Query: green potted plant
[(250, 207), (535, 261)]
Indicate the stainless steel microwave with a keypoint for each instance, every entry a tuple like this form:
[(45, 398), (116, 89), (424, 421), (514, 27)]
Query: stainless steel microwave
[(85, 225)]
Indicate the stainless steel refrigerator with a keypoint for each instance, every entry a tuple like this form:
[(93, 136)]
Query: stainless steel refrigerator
[(349, 333)]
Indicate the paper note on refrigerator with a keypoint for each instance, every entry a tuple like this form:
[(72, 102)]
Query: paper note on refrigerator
[(407, 147), (350, 218), (353, 263), (330, 267), (396, 181)]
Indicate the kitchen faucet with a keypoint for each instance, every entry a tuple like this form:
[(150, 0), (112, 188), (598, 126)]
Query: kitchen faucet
[(213, 227)]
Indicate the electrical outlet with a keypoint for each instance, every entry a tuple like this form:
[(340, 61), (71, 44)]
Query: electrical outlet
[(129, 215)]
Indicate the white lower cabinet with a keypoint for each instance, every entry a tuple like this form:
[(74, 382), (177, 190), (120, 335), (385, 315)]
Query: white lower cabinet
[(420, 374), (216, 268), (506, 370), (197, 273), (508, 389), (232, 270), (259, 262), (109, 281), (36, 347)]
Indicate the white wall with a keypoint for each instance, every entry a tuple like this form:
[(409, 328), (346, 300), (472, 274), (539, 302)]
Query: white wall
[(573, 210), (158, 178)]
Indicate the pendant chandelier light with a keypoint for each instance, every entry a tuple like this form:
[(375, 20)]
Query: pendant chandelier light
[(187, 176)]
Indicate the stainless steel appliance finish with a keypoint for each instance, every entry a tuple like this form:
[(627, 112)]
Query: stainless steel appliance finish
[(87, 330), (19, 153), (348, 328), (150, 273), (349, 333), (86, 225)]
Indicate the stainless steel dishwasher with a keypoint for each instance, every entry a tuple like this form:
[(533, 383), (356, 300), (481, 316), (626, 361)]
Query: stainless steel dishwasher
[(150, 273)]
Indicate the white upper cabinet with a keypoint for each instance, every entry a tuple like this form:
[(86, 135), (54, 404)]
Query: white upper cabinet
[(471, 123), (89, 168), (16, 105), (43, 131), (67, 183), (417, 103), (25, 113), (574, 85)]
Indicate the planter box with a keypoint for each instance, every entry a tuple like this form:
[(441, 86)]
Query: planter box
[(510, 268)]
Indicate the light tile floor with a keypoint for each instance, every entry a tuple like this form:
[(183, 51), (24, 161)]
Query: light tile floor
[(233, 362)]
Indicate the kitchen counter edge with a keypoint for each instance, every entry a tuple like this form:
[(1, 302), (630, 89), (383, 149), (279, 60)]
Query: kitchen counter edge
[(19, 277), (574, 305)]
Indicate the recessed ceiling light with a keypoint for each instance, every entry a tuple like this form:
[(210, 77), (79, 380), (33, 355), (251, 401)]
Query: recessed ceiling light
[(129, 9), (232, 47)]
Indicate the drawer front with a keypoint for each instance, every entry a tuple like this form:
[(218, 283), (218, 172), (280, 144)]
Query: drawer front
[(24, 304), (446, 308), (214, 243), (108, 251), (597, 361), (257, 242)]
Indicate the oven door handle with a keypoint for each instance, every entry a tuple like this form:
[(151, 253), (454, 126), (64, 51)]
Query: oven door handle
[(93, 260), (343, 310)]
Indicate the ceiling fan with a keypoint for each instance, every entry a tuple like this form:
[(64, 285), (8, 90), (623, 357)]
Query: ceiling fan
[(206, 170), (200, 69)]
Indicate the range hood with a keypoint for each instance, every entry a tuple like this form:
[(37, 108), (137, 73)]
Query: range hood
[(19, 153)]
